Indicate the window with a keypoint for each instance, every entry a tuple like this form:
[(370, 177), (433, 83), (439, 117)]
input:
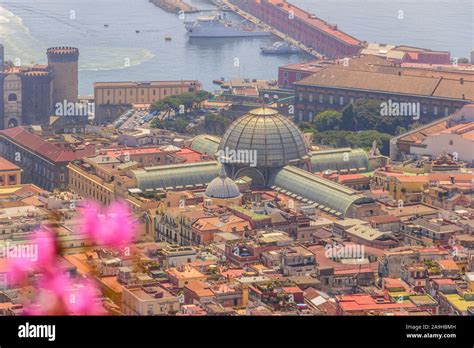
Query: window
[(446, 111), (300, 96), (285, 74), (435, 110), (321, 98), (298, 76), (425, 108), (341, 100), (331, 99), (12, 97), (351, 100), (310, 97), (12, 179)]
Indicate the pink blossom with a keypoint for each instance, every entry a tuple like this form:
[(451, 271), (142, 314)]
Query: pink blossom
[(53, 289), (46, 243), (44, 260), (115, 227), (18, 269), (82, 300), (90, 220)]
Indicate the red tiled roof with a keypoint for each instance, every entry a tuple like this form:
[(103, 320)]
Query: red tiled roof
[(7, 165), (381, 219), (34, 143), (189, 155)]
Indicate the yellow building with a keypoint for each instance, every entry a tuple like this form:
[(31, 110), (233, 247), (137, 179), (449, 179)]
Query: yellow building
[(113, 98), (89, 185), (457, 304), (183, 275), (10, 174), (470, 281), (121, 93), (408, 188)]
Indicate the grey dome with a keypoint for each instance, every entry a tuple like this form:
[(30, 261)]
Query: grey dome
[(222, 187), (276, 139)]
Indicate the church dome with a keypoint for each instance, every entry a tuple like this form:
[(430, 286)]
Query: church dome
[(276, 140), (222, 187)]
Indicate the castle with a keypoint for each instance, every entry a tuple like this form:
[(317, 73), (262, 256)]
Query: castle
[(29, 94)]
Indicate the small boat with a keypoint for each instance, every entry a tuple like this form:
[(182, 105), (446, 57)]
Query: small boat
[(106, 25), (168, 38), (280, 47), (137, 31)]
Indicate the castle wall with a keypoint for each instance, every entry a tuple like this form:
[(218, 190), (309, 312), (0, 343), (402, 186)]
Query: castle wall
[(37, 97)]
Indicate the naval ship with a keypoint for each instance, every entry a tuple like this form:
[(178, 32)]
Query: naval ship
[(218, 26)]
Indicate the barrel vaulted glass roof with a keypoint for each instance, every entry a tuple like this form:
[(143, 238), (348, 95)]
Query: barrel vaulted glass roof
[(206, 144), (176, 175), (326, 194), (340, 160)]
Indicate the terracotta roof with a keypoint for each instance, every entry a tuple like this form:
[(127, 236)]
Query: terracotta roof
[(189, 155), (381, 219), (391, 82), (458, 177), (412, 178), (199, 288), (6, 165), (50, 151)]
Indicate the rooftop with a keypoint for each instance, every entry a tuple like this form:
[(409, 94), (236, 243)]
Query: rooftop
[(6, 165), (21, 136)]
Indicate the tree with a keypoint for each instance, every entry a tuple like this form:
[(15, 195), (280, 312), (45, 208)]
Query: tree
[(365, 114), (216, 123), (328, 120), (362, 139)]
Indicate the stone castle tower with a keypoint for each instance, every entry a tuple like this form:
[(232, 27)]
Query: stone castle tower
[(28, 94), (64, 62)]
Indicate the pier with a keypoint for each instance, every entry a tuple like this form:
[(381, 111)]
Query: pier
[(174, 6), (225, 4)]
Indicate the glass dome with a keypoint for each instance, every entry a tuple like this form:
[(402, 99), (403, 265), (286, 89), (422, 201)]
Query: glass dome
[(275, 139)]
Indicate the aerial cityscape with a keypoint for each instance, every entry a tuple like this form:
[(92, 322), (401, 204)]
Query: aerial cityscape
[(260, 160)]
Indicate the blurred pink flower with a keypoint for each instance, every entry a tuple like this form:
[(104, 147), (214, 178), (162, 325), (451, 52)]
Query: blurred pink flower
[(44, 239), (42, 258), (18, 269), (82, 300), (52, 290), (90, 220), (114, 227)]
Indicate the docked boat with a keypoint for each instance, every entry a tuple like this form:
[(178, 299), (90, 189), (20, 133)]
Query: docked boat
[(280, 47), (218, 26)]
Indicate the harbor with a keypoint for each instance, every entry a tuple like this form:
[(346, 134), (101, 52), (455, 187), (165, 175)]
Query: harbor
[(226, 4)]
